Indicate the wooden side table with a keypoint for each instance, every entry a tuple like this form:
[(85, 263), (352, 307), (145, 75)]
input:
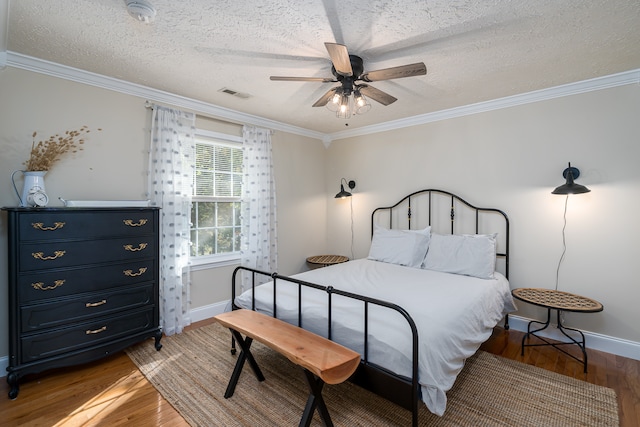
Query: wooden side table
[(559, 301), (325, 260)]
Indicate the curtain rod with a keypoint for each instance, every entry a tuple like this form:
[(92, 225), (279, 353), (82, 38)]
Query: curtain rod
[(151, 105)]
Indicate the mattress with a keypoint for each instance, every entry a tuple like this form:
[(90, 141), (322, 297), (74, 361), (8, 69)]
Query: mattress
[(454, 315)]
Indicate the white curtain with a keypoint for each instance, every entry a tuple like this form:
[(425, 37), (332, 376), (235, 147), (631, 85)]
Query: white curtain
[(259, 240), (171, 170)]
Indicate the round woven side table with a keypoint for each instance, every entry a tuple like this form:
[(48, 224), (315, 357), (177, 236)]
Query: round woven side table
[(325, 260), (559, 301)]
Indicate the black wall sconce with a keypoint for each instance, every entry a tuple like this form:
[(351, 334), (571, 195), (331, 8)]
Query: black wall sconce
[(344, 194), (567, 188), (570, 187)]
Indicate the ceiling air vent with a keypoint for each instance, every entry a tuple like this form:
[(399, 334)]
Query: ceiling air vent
[(235, 93)]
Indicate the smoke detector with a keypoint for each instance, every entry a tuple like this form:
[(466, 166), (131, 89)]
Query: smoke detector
[(141, 10)]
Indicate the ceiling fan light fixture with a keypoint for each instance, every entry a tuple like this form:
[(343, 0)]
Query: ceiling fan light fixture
[(362, 105), (348, 99), (141, 10), (334, 102), (345, 108)]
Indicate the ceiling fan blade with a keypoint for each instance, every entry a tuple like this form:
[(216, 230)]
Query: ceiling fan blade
[(417, 69), (303, 79), (377, 95), (326, 97), (340, 58)]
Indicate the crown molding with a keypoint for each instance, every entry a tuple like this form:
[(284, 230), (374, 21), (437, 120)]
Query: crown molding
[(86, 77), (69, 73), (598, 83)]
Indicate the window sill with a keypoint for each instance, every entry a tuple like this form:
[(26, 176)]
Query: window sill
[(204, 263)]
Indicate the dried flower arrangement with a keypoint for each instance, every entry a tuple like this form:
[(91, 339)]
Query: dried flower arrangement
[(45, 153)]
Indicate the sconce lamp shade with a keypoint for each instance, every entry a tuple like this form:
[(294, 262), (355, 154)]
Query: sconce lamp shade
[(570, 187), (344, 194)]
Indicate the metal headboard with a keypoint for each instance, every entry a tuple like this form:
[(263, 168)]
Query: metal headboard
[(438, 209)]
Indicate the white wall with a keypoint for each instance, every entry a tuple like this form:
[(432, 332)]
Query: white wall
[(512, 159), (113, 165)]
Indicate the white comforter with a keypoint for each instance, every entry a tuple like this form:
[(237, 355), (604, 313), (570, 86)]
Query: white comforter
[(454, 314)]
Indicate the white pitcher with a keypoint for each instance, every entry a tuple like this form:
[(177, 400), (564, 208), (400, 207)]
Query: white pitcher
[(33, 191)]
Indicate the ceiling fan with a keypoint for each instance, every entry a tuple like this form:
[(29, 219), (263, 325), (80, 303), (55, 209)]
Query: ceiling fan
[(348, 70)]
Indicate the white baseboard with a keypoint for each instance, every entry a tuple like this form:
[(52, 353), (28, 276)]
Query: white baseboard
[(208, 311), (613, 345), (617, 346), (595, 341)]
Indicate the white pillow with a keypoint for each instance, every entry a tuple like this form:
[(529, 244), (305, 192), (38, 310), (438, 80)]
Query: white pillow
[(470, 255), (402, 247)]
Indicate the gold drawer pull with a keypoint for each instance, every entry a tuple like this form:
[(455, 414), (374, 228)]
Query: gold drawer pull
[(40, 255), (140, 272), (140, 247), (40, 226), (130, 222), (95, 304), (95, 331), (41, 287)]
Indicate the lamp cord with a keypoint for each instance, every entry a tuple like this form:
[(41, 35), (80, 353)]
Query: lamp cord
[(351, 203), (564, 241)]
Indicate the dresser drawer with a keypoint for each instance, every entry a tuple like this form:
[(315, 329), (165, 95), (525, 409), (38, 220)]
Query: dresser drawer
[(70, 224), (87, 306), (79, 336), (39, 256), (58, 283)]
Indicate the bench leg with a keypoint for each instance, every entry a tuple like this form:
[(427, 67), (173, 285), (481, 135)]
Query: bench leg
[(315, 401), (245, 354)]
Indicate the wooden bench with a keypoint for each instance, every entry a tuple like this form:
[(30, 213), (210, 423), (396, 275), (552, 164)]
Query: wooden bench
[(323, 361)]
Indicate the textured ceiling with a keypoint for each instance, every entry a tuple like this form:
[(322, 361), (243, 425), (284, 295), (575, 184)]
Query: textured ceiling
[(474, 50)]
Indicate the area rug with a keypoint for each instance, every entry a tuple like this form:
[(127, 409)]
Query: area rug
[(193, 368)]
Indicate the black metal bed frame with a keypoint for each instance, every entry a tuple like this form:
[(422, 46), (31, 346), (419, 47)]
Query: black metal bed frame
[(395, 388)]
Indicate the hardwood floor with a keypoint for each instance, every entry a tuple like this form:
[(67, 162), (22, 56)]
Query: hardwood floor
[(605, 369), (113, 392)]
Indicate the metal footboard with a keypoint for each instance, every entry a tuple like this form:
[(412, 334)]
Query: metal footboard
[(396, 388)]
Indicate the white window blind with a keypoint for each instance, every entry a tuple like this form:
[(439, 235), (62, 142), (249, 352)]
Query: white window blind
[(215, 214)]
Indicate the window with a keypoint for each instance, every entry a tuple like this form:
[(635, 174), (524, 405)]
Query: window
[(215, 212)]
